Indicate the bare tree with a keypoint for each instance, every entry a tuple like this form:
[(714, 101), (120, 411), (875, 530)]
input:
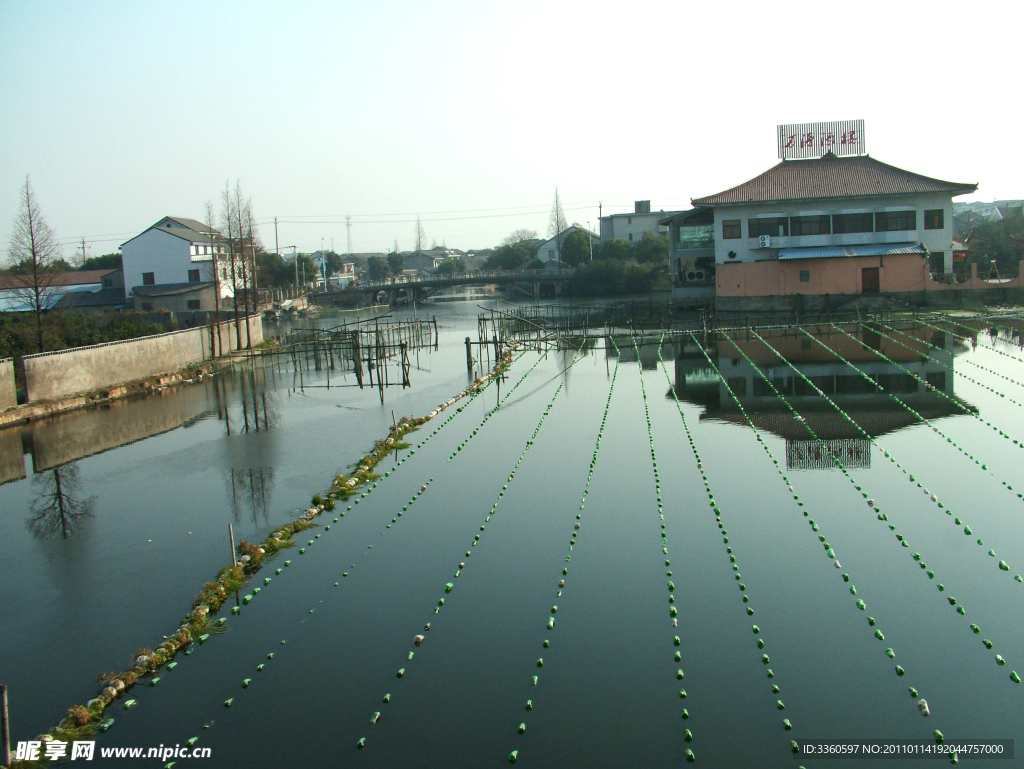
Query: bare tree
[(215, 268), (229, 219), (518, 236), (57, 509), (557, 224), (35, 256), (421, 234)]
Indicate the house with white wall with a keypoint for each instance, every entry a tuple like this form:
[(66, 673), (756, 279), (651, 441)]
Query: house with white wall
[(631, 227), (176, 250)]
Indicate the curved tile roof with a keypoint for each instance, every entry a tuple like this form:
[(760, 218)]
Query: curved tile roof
[(831, 177)]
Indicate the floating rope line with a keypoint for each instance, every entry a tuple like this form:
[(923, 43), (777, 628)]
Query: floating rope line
[(1003, 566), (514, 755), (775, 689), (870, 502), (1009, 338), (450, 586), (497, 406), (476, 389), (672, 609), (829, 552), (974, 342), (995, 428), (946, 366)]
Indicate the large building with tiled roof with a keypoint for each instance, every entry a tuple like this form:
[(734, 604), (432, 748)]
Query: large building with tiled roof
[(831, 226)]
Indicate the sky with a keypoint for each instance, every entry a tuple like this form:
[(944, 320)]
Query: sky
[(471, 114)]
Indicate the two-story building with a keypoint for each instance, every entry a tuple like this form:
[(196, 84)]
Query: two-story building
[(631, 227), (830, 226), (692, 256), (177, 251)]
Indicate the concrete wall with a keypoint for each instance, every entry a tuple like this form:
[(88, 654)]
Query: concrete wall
[(902, 272), (8, 394), (57, 374)]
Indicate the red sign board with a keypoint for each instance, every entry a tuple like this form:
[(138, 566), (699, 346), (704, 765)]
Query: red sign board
[(812, 140)]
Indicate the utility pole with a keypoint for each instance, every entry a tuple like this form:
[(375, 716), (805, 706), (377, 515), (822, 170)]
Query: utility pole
[(348, 228), (83, 250), (295, 258), (277, 248), (590, 238)]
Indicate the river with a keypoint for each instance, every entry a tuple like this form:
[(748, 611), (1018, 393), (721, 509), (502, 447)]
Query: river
[(123, 514)]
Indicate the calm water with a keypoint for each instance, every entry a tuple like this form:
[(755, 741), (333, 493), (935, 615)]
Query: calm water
[(118, 569)]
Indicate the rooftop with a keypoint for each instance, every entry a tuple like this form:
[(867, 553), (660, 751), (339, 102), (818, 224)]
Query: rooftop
[(831, 177)]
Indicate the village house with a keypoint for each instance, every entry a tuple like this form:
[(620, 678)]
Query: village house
[(631, 227), (177, 251), (829, 227)]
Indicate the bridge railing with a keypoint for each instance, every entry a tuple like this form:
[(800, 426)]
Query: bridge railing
[(462, 277)]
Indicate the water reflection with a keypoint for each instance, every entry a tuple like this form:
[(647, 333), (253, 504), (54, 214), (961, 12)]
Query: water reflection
[(745, 363), (57, 510), (250, 490)]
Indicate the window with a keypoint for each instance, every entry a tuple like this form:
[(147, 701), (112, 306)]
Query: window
[(193, 276), (894, 221), (107, 282), (149, 278), (811, 225), (738, 385), (701, 236), (844, 223), (805, 277), (936, 379), (148, 306), (193, 304), (629, 220), (731, 229), (776, 226), (937, 261), (631, 237), (934, 219)]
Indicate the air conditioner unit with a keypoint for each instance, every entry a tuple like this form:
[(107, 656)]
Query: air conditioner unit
[(764, 241), (691, 275), (698, 274)]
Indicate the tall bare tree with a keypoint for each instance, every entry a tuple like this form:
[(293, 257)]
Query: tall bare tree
[(231, 225), (35, 256), (421, 234), (557, 224), (211, 231)]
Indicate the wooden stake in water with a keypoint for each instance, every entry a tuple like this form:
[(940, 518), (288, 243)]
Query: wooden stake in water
[(231, 534), (6, 725)]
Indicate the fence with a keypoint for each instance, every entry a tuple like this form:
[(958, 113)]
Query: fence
[(57, 374)]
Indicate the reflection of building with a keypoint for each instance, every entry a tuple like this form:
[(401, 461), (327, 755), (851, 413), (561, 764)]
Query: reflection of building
[(868, 403)]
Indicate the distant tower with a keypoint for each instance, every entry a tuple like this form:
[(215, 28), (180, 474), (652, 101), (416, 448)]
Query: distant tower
[(348, 227)]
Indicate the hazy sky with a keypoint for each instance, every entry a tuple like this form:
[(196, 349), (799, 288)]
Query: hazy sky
[(470, 113)]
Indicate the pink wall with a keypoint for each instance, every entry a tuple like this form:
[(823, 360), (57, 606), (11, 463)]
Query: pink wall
[(903, 272)]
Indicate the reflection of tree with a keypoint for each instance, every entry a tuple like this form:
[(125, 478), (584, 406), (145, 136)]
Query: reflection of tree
[(250, 490), (259, 409), (56, 509)]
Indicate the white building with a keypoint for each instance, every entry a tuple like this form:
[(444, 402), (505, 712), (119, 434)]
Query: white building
[(550, 250), (632, 226), (175, 251)]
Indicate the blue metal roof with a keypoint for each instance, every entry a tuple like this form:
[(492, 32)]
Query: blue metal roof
[(872, 249)]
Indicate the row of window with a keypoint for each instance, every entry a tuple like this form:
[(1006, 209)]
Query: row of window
[(834, 224), (197, 250), (149, 278), (841, 384), (193, 304)]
